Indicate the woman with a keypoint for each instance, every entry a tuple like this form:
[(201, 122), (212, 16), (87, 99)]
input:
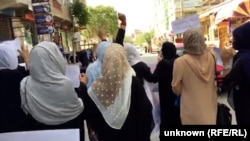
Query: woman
[(238, 80), (93, 71), (117, 107), (141, 69), (193, 80), (47, 95), (12, 117), (144, 74), (170, 113)]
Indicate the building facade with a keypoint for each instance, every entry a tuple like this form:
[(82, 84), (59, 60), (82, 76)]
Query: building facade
[(159, 22), (18, 14)]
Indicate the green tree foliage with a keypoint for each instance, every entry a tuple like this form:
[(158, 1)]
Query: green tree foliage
[(140, 40), (102, 17), (128, 39), (79, 10), (144, 38)]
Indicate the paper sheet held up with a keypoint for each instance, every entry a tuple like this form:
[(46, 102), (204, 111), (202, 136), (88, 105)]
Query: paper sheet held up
[(73, 72)]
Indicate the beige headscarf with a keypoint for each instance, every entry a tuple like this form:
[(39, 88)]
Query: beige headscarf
[(111, 92), (194, 42)]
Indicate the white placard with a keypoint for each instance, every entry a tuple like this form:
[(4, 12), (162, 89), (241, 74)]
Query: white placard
[(181, 25), (14, 44), (45, 135), (73, 73), (77, 37)]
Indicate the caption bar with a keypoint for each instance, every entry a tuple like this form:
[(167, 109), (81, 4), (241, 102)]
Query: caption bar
[(209, 133)]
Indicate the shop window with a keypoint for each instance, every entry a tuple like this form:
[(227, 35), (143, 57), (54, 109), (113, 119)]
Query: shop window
[(23, 30)]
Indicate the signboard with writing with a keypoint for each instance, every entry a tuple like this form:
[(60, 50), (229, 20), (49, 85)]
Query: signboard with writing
[(40, 9), (39, 1), (43, 29), (181, 25), (44, 19)]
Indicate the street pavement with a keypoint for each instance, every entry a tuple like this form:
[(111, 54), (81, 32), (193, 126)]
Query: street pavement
[(151, 61)]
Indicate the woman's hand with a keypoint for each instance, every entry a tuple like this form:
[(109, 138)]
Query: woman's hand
[(159, 58), (122, 18), (83, 78), (24, 52)]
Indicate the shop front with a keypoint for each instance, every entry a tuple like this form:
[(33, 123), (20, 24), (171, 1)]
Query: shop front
[(24, 28), (219, 22), (63, 25)]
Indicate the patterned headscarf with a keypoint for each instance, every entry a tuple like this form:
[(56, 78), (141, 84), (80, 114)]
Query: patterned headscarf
[(94, 70), (114, 69), (112, 91), (194, 42)]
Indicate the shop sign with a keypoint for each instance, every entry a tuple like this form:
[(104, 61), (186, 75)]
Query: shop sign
[(43, 29), (41, 9), (44, 19), (39, 1)]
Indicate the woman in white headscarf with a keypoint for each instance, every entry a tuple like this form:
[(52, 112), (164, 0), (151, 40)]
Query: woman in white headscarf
[(117, 107), (12, 117), (48, 96), (143, 73), (94, 70)]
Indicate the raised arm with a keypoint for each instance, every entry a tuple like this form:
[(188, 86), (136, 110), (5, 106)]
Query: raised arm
[(121, 31)]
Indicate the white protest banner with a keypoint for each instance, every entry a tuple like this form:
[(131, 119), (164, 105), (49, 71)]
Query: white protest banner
[(14, 44), (43, 135), (73, 73), (181, 25)]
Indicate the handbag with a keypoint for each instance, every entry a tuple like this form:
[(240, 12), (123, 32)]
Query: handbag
[(224, 117)]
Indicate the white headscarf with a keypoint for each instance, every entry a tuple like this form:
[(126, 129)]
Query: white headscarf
[(112, 91), (47, 94), (132, 54), (93, 71), (8, 55)]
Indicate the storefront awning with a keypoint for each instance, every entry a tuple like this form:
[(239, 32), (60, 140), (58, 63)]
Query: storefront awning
[(236, 8), (214, 9)]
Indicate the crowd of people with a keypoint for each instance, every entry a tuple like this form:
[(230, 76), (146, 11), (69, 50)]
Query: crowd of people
[(113, 96)]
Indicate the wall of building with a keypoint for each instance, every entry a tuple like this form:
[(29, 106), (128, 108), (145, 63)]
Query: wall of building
[(6, 28), (160, 18)]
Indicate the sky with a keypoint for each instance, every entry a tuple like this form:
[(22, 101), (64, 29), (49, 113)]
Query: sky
[(138, 12)]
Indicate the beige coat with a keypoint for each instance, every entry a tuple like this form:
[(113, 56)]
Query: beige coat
[(193, 79)]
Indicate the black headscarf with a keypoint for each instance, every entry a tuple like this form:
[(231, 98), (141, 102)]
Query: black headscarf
[(168, 50), (241, 36)]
